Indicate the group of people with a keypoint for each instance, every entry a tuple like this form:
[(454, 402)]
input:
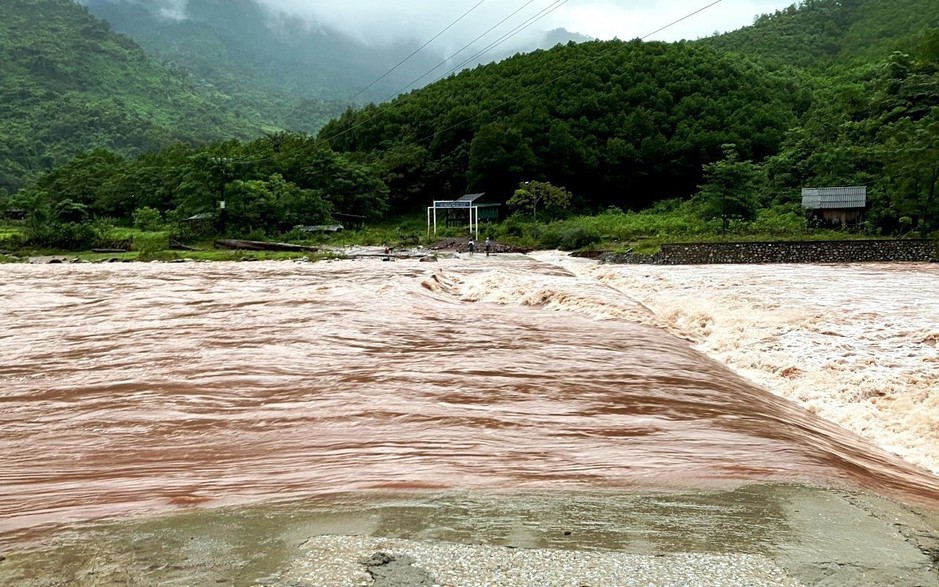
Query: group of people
[(487, 246)]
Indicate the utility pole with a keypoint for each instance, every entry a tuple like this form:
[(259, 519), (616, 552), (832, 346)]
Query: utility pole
[(222, 164)]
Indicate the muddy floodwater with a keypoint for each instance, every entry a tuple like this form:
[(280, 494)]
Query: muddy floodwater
[(153, 388)]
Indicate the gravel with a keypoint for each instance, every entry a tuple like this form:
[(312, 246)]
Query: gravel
[(341, 561)]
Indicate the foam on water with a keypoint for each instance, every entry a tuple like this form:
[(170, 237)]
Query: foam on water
[(559, 293), (856, 344)]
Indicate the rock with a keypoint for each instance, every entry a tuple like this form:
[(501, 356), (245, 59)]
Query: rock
[(429, 259), (388, 570), (54, 261)]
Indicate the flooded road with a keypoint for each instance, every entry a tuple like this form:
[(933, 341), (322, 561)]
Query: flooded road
[(150, 388)]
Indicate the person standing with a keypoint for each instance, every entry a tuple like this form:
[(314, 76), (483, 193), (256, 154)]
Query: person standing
[(487, 246), (472, 246)]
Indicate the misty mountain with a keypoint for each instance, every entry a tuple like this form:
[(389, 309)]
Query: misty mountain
[(243, 47), (69, 84)]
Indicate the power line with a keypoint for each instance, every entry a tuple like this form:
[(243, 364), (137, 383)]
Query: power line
[(529, 91), (684, 18), (431, 70), (545, 12), (418, 50), (464, 48), (566, 73)]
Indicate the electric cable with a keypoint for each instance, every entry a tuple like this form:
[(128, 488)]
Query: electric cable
[(551, 81), (545, 12), (416, 51), (431, 70), (464, 48), (565, 74)]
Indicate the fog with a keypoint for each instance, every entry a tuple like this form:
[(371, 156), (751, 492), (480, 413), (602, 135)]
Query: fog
[(380, 23)]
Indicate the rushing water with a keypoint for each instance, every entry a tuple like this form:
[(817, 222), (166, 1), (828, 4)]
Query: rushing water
[(856, 344), (146, 388)]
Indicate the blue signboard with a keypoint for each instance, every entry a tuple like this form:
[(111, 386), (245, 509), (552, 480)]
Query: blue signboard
[(439, 204)]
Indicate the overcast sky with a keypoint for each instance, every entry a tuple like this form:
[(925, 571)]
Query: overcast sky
[(379, 21)]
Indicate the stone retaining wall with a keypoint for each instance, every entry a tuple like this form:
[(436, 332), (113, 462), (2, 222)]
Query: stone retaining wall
[(858, 251)]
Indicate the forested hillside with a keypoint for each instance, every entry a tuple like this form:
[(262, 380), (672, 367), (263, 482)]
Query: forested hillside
[(622, 124), (69, 84), (280, 67), (816, 34), (798, 99)]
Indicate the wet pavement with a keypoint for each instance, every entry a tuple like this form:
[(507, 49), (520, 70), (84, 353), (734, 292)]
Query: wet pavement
[(798, 534)]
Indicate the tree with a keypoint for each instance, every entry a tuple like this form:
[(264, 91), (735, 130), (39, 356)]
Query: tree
[(730, 188), (532, 193)]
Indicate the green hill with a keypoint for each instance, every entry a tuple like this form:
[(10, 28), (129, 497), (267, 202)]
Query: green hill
[(817, 94), (817, 34), (69, 84), (620, 123)]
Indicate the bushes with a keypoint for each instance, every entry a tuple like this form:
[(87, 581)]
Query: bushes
[(577, 237), (567, 235), (73, 236), (147, 219), (148, 244)]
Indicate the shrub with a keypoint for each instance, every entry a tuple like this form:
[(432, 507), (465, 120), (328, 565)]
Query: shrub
[(72, 236), (149, 244), (147, 219), (577, 237)]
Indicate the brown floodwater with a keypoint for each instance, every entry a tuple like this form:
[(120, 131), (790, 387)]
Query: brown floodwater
[(148, 388)]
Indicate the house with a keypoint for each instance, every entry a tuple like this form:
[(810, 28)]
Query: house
[(841, 206)]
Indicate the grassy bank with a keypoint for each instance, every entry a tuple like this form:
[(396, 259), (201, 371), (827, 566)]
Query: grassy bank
[(612, 230)]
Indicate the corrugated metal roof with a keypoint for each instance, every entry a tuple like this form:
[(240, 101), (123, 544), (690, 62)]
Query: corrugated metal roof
[(471, 197), (840, 197)]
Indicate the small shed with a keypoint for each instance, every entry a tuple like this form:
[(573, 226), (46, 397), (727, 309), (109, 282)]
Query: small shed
[(320, 228), (351, 221), (841, 206)]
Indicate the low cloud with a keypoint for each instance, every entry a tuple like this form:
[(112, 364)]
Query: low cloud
[(381, 23)]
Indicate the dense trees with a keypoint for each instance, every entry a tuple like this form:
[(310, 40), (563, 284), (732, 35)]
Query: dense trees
[(878, 126), (269, 186), (621, 124)]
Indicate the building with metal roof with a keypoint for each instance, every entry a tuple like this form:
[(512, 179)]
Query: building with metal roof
[(835, 205)]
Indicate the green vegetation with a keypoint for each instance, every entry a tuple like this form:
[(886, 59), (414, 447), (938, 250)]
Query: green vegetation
[(612, 144), (268, 64), (68, 84), (629, 124), (822, 34)]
